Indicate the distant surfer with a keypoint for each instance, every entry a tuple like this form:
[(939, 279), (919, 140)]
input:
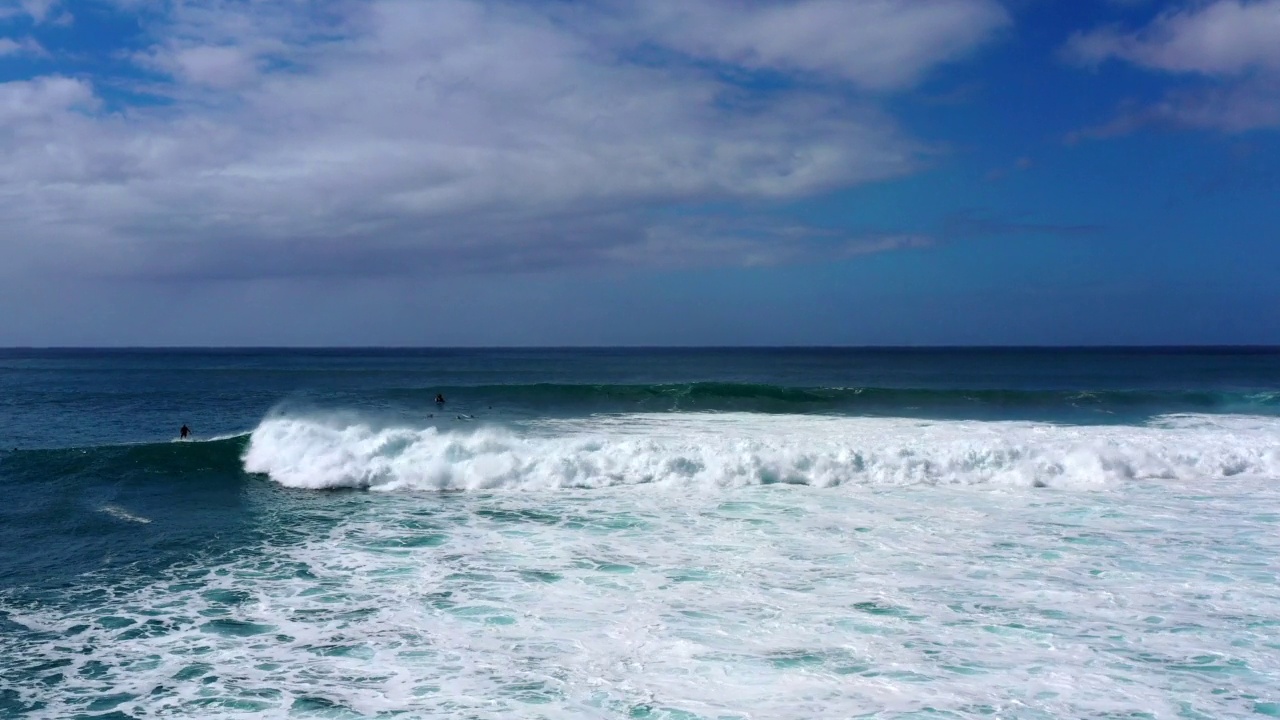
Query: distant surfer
[(184, 433), (440, 398)]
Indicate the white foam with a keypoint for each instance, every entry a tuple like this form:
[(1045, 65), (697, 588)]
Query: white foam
[(120, 513), (733, 450), (761, 602)]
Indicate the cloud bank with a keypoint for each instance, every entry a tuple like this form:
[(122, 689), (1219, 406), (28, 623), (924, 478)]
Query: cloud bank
[(875, 44), (473, 135), (1233, 44)]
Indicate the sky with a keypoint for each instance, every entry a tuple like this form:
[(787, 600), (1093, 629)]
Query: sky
[(639, 172)]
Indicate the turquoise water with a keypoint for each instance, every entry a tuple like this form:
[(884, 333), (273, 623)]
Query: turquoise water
[(660, 534)]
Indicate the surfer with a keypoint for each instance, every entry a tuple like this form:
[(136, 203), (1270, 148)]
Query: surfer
[(440, 398), (184, 433)]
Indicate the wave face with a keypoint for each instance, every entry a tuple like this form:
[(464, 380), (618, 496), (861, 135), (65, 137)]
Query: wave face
[(175, 459), (984, 403), (730, 450)]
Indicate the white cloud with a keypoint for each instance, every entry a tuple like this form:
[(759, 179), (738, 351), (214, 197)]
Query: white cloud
[(877, 44), (1226, 37), (1232, 45), (1233, 108), (755, 241), (38, 10), (206, 66), (388, 136), (24, 46), (41, 100)]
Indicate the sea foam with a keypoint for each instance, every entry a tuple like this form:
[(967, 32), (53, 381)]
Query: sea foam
[(1152, 600), (733, 450)]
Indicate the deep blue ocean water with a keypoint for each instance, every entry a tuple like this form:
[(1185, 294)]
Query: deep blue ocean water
[(640, 533)]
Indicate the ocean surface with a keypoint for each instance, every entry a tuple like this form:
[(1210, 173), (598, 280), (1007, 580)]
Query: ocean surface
[(682, 534)]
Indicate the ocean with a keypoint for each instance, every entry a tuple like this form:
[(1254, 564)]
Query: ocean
[(680, 534)]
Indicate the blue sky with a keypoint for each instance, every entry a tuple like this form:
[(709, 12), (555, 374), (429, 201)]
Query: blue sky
[(546, 172)]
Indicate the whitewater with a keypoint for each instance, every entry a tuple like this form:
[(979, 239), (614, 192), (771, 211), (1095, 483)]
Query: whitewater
[(675, 535), (702, 566), (694, 451)]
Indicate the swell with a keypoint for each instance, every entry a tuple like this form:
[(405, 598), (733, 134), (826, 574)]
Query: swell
[(767, 398), (220, 455)]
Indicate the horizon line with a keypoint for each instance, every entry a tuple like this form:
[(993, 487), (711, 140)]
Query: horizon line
[(1192, 346)]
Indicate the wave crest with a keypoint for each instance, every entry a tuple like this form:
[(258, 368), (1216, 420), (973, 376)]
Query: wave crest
[(727, 450)]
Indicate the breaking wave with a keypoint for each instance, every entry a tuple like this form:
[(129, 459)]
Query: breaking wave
[(728, 450)]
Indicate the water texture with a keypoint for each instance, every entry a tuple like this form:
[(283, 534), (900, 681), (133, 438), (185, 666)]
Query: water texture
[(640, 534)]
